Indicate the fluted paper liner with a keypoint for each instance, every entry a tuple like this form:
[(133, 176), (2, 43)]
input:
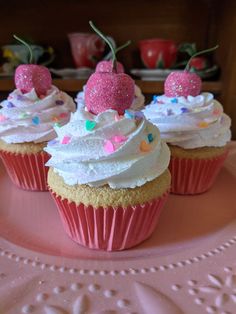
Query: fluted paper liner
[(109, 228), (194, 176), (27, 171)]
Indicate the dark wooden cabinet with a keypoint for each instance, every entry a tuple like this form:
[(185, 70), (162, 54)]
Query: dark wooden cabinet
[(205, 22)]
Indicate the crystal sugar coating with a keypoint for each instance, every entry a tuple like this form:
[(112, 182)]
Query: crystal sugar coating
[(106, 66), (29, 76), (184, 83), (109, 91)]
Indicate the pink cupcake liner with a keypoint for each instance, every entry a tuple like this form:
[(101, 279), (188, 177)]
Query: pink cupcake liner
[(109, 228), (27, 171), (194, 176)]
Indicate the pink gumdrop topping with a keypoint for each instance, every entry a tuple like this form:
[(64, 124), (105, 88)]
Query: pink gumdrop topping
[(29, 76), (182, 84), (109, 91), (106, 66)]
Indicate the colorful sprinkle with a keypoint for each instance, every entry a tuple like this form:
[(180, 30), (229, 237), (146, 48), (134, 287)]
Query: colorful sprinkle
[(145, 147), (55, 119), (216, 112), (36, 120), (150, 137), (174, 100), (90, 125), (59, 102), (129, 115), (154, 98), (23, 115), (42, 96), (203, 124), (184, 109), (52, 142), (169, 112), (63, 115), (57, 125), (10, 105), (109, 147), (66, 139), (118, 117), (197, 109), (139, 115), (20, 97), (119, 138), (3, 118)]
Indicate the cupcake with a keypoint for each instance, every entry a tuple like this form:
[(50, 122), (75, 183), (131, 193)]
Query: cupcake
[(105, 66), (27, 120), (108, 171), (196, 130)]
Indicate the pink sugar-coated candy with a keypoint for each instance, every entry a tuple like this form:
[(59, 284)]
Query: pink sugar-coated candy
[(109, 147), (109, 91), (63, 115), (106, 66), (66, 139), (145, 147), (182, 84), (216, 112), (2, 118), (118, 117), (29, 76), (119, 138)]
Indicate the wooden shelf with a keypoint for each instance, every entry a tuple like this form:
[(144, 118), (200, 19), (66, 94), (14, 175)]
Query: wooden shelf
[(147, 87)]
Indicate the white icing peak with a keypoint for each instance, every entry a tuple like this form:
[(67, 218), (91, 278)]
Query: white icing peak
[(190, 122), (27, 118), (108, 149)]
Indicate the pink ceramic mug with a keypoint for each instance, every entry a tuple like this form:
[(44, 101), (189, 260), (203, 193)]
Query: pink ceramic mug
[(158, 53), (87, 49)]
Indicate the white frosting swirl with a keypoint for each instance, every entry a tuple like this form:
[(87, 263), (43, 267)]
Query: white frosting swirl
[(84, 159), (137, 104), (190, 122), (27, 118)]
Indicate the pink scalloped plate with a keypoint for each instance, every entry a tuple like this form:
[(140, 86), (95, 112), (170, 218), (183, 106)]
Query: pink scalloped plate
[(187, 266)]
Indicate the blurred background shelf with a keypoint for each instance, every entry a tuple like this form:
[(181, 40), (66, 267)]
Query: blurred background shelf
[(147, 87), (177, 20)]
